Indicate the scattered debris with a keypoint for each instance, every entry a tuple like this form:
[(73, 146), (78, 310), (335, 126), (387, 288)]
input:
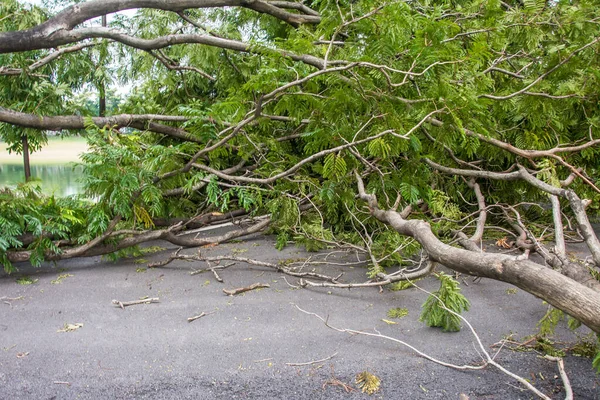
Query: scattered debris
[(338, 383), (263, 360), (213, 270), (7, 300), (26, 280), (71, 327), (22, 355), (397, 312), (504, 243), (333, 381), (311, 362), (140, 269), (60, 278), (233, 292), (62, 383), (368, 382), (124, 304), (387, 321), (203, 314)]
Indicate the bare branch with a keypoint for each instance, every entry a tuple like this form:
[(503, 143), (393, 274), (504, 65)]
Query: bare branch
[(124, 304), (233, 292), (553, 287), (312, 362), (46, 60), (545, 74)]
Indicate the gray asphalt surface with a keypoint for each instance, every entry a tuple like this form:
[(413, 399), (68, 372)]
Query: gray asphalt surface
[(241, 351)]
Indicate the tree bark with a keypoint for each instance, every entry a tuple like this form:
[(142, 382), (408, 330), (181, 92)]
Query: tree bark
[(558, 290), (56, 31), (26, 166)]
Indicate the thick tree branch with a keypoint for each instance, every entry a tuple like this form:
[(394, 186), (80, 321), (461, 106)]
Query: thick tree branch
[(57, 30), (66, 122), (77, 35), (562, 292)]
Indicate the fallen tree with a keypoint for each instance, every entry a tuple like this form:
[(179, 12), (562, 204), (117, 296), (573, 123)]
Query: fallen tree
[(478, 122)]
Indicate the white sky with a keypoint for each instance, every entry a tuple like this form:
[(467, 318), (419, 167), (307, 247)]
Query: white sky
[(39, 3)]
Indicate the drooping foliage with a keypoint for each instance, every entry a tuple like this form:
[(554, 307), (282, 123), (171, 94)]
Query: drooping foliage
[(241, 110)]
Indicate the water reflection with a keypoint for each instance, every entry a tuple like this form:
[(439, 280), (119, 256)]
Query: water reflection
[(57, 179)]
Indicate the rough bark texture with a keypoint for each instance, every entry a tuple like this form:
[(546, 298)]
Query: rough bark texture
[(558, 290), (57, 30)]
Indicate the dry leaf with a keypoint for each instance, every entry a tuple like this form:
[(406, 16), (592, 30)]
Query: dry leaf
[(504, 243), (387, 321), (368, 382)]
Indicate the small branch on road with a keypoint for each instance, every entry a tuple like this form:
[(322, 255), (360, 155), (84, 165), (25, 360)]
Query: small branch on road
[(124, 304), (62, 383), (7, 300), (487, 359), (563, 375), (233, 292), (311, 362), (212, 269), (263, 360), (203, 314)]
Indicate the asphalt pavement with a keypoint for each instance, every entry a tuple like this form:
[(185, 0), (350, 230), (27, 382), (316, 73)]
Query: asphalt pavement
[(61, 336)]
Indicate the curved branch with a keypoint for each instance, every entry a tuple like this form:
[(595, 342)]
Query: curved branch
[(54, 31), (77, 35), (65, 122), (562, 292), (46, 60), (96, 247), (522, 152)]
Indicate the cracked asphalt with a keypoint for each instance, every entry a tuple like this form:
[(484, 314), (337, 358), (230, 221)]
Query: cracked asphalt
[(242, 350)]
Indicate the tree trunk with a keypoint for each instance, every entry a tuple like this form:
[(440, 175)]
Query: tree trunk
[(102, 96), (26, 166)]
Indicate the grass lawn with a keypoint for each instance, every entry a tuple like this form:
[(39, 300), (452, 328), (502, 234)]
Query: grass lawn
[(57, 151)]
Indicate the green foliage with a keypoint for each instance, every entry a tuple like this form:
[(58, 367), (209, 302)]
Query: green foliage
[(312, 235), (25, 211), (457, 54), (367, 382), (546, 346), (549, 321), (401, 285), (596, 361), (26, 280), (334, 167), (397, 312), (435, 309)]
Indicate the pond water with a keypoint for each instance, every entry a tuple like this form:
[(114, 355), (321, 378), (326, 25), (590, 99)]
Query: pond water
[(58, 179), (52, 166)]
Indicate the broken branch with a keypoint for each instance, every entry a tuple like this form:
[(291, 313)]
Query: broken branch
[(124, 304), (203, 314), (312, 362), (233, 292)]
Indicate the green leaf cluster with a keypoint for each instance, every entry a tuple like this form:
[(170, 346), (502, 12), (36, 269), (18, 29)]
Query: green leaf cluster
[(448, 297)]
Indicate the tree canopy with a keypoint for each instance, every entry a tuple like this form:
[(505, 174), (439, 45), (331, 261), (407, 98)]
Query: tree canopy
[(393, 128)]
